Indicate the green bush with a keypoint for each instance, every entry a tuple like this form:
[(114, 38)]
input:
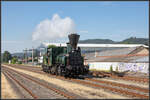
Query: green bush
[(14, 60), (19, 62), (117, 69), (111, 68)]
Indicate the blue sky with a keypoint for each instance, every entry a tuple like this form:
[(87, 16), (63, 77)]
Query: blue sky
[(105, 20)]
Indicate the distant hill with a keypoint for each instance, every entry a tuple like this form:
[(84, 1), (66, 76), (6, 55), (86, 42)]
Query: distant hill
[(97, 41), (134, 40), (131, 40), (19, 54)]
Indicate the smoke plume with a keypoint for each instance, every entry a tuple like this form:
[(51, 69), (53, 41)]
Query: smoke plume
[(52, 29)]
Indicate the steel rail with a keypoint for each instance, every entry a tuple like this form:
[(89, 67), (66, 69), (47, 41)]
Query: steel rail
[(120, 85), (20, 84), (128, 78)]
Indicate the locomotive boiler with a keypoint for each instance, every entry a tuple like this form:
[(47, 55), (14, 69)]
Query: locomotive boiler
[(65, 61)]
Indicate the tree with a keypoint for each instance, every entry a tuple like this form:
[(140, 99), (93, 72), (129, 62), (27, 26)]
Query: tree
[(116, 68), (14, 60), (6, 56)]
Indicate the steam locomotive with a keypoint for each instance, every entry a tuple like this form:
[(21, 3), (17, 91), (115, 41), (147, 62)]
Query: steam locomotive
[(65, 61)]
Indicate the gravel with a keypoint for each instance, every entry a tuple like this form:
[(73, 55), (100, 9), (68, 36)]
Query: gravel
[(142, 85)]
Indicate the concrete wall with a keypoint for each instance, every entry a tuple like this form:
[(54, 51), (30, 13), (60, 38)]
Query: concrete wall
[(135, 67), (102, 65)]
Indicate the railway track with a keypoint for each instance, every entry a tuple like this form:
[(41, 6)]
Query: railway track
[(104, 74), (37, 82), (120, 85), (7, 74), (121, 91), (128, 78)]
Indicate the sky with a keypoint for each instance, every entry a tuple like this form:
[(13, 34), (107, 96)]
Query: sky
[(27, 24)]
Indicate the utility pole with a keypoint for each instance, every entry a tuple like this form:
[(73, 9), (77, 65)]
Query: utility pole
[(32, 56), (26, 58)]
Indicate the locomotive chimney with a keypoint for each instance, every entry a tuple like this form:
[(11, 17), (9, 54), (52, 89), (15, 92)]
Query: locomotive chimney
[(73, 40)]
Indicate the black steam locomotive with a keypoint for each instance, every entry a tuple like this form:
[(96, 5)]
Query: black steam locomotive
[(65, 61)]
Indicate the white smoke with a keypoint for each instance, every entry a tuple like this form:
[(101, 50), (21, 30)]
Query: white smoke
[(55, 28)]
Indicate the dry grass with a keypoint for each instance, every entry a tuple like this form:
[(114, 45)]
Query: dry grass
[(142, 85), (29, 65), (98, 70), (7, 91)]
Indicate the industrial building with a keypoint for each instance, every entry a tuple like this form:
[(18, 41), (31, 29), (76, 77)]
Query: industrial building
[(134, 59)]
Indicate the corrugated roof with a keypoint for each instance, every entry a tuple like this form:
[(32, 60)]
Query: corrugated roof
[(110, 52), (121, 51), (120, 59)]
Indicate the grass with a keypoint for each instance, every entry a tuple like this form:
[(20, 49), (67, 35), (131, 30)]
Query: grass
[(99, 70)]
